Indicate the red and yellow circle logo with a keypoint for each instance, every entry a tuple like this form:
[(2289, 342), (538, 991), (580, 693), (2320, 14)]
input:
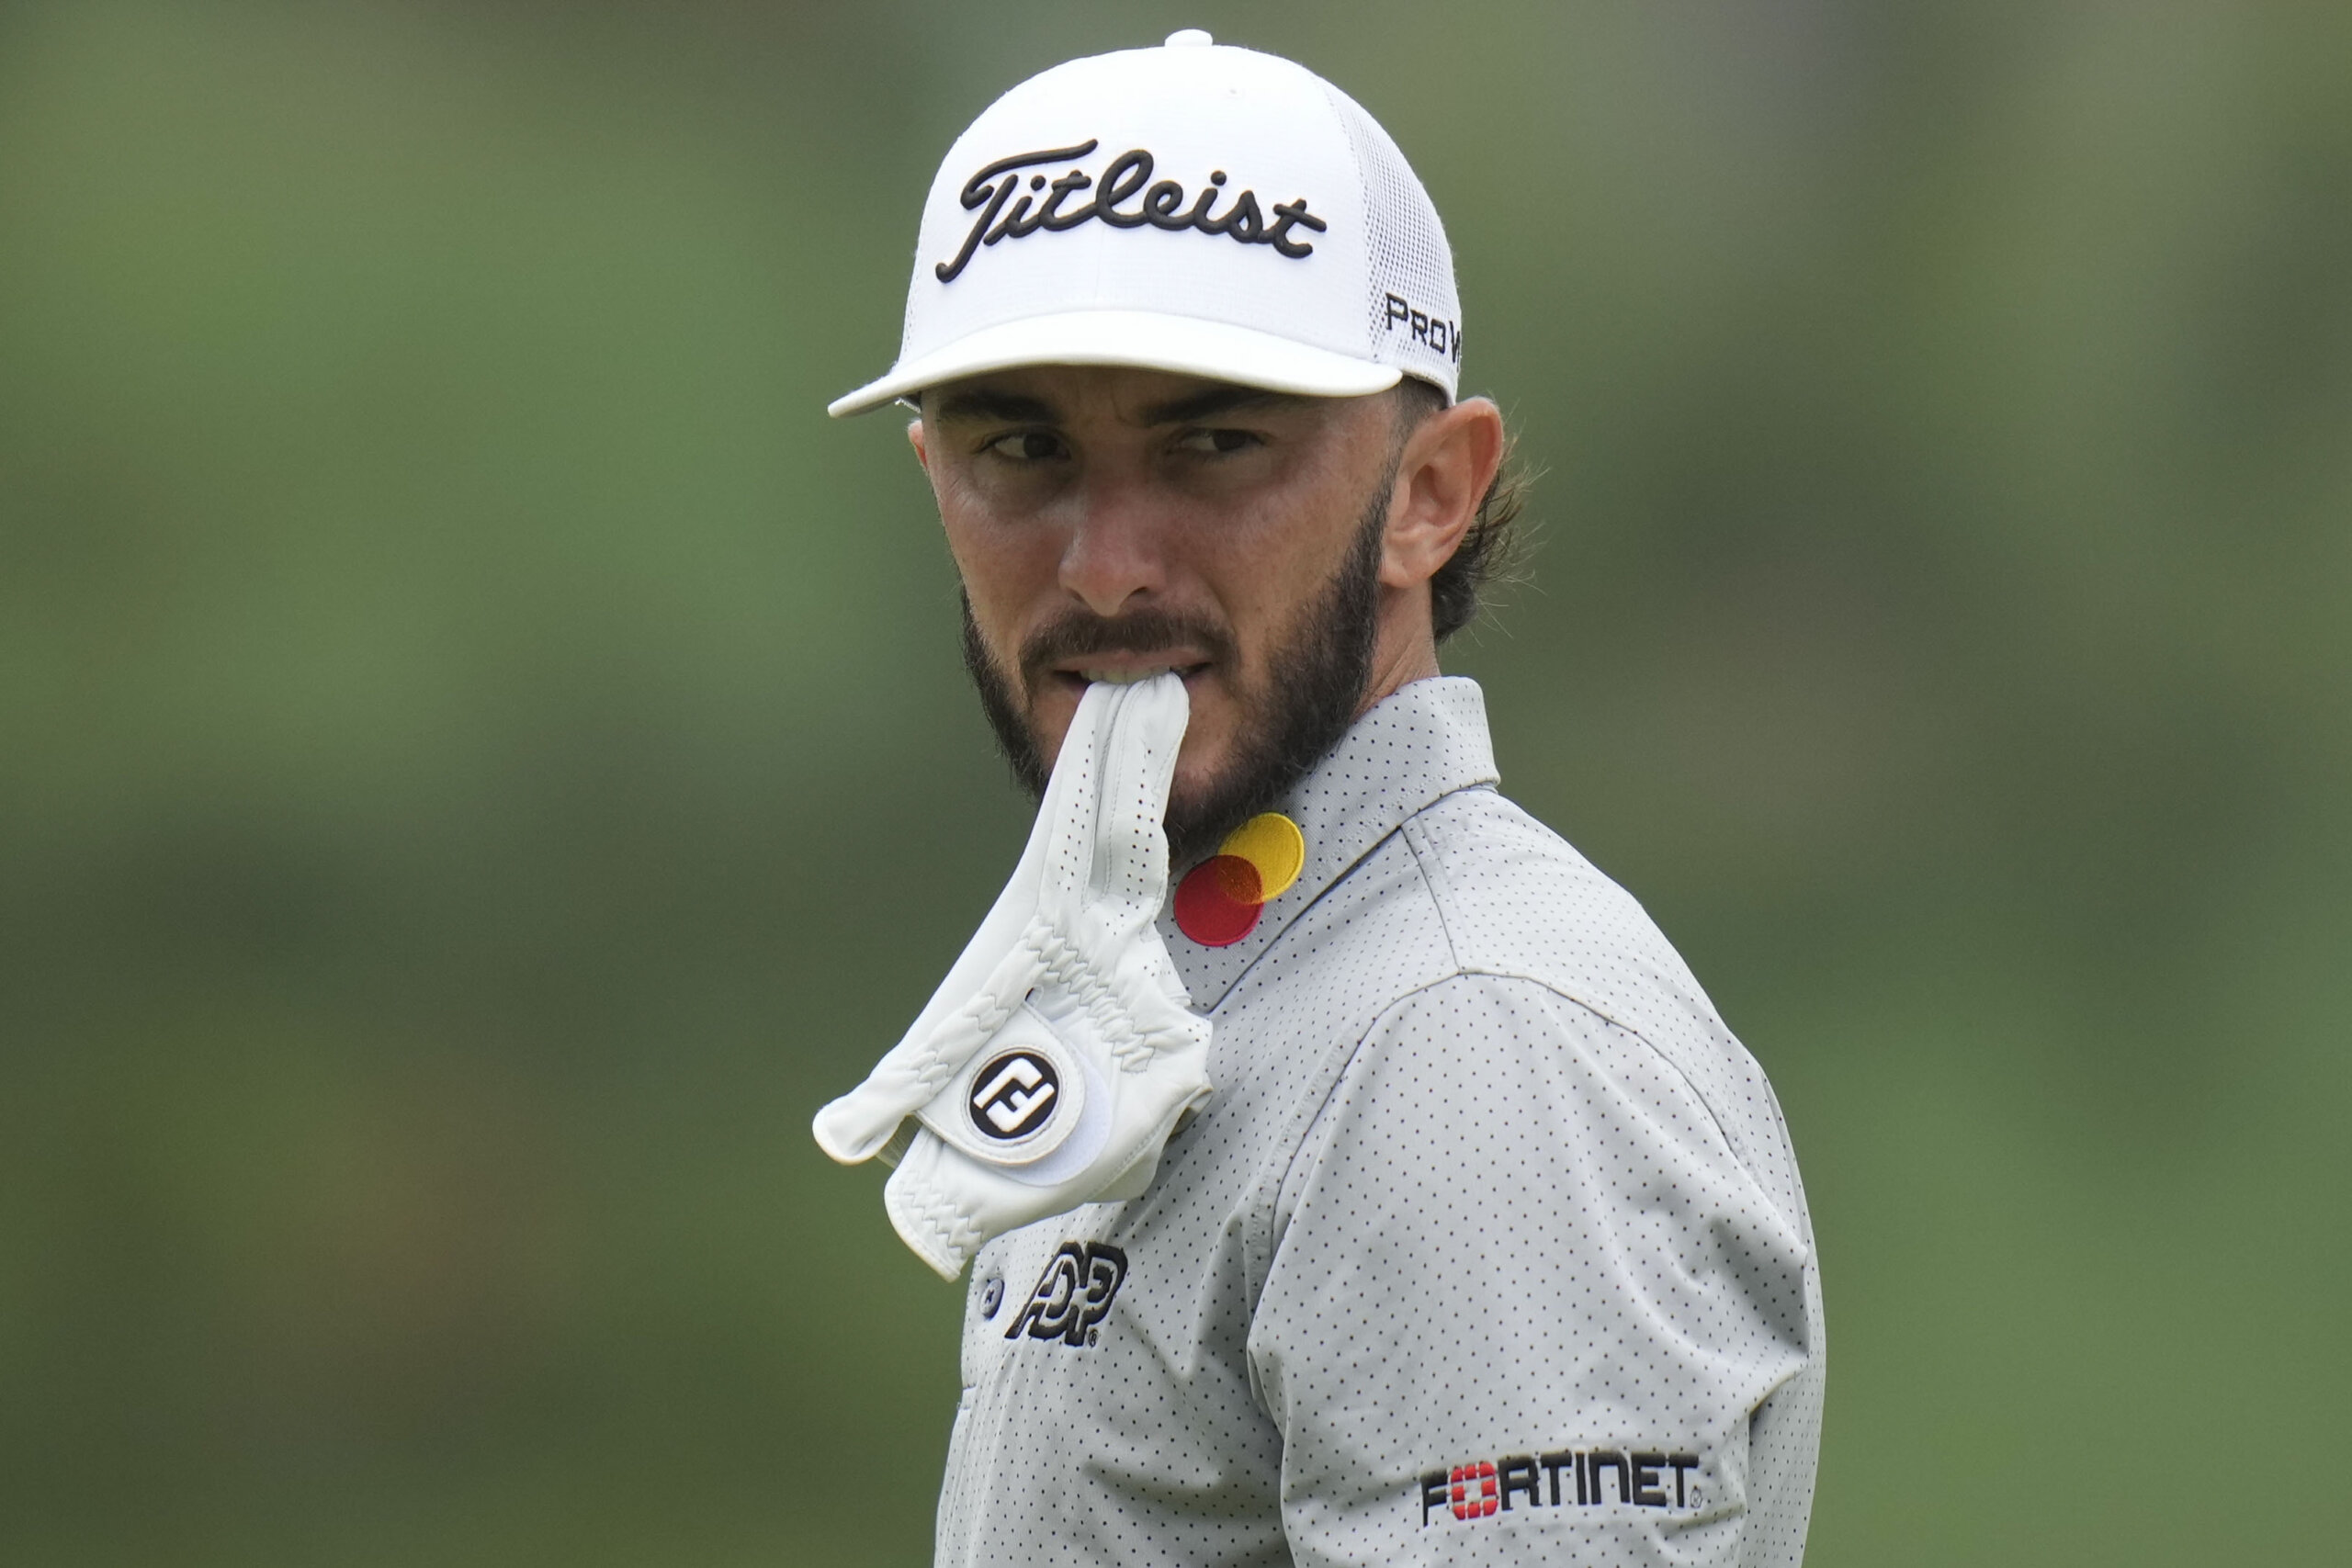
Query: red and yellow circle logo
[(1217, 902)]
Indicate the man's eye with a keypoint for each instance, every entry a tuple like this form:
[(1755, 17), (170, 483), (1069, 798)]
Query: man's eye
[(1219, 441), (1026, 447)]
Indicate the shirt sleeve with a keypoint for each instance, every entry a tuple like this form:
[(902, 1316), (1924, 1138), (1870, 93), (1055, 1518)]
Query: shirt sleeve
[(1524, 1304)]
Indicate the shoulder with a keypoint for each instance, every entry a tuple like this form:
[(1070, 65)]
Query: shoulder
[(1517, 900), (1522, 910)]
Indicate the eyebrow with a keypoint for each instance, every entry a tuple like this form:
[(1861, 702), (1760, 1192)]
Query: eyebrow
[(1014, 408), (984, 403), (1214, 401)]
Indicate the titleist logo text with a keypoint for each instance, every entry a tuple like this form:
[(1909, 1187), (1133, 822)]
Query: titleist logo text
[(1125, 178)]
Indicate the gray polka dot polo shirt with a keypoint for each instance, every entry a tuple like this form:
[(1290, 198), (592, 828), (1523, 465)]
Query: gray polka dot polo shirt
[(1489, 1249)]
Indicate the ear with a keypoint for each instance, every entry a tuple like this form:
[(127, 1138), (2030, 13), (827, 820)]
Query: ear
[(915, 440), (1449, 461)]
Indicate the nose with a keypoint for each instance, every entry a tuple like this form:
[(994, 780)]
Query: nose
[(1116, 557)]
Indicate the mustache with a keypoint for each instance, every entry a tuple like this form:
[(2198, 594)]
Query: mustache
[(1082, 632)]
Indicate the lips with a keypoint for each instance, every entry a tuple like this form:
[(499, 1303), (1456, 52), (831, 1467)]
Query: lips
[(1113, 669), (1076, 649)]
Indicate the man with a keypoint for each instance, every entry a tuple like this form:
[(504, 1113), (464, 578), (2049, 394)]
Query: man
[(1349, 1172)]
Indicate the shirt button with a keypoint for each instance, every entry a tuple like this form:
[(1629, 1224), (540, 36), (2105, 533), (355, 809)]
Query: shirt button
[(991, 1296)]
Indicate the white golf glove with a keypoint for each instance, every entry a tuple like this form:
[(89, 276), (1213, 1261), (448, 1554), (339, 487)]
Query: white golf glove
[(1053, 1061)]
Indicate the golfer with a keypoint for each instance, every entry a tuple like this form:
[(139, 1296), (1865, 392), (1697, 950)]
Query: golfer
[(1344, 1171)]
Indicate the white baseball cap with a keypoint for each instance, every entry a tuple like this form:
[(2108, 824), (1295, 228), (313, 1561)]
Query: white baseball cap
[(1195, 207)]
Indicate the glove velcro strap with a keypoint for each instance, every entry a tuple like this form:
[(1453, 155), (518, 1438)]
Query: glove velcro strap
[(1020, 1098)]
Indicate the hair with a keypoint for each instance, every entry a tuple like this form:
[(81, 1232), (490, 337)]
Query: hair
[(1493, 552)]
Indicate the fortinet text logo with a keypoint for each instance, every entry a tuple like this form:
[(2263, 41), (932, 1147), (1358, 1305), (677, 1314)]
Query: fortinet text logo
[(1073, 1295), (1483, 1488)]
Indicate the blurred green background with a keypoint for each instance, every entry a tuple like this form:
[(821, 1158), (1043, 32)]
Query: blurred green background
[(484, 757)]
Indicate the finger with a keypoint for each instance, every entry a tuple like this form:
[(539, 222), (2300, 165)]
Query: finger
[(924, 1211), (854, 1128), (1071, 797), (1128, 872)]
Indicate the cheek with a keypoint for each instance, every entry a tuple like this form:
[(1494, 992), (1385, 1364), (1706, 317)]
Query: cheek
[(1275, 556), (1008, 574), (1270, 576)]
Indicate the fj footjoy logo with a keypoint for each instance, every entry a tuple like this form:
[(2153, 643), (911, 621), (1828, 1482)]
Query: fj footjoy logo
[(1013, 1095), (1073, 1295), (1123, 180), (1576, 1477)]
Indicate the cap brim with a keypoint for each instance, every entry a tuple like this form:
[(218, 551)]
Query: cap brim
[(1185, 344)]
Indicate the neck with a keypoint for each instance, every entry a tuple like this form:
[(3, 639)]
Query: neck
[(1405, 647)]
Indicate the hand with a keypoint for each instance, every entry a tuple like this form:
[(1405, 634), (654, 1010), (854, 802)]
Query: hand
[(1056, 1058)]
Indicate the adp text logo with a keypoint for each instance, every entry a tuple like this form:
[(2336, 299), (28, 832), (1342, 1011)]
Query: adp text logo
[(1073, 1295)]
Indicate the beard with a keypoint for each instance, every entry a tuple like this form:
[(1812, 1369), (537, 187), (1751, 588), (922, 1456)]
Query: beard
[(1308, 696)]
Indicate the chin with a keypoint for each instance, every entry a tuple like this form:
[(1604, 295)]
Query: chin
[(1202, 763), (1186, 801)]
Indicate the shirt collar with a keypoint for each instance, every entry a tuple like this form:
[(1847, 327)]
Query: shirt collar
[(1423, 741)]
